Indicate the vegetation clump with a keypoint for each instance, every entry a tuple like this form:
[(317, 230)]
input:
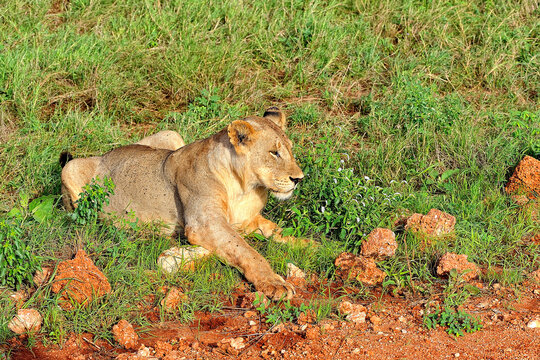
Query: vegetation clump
[(17, 261)]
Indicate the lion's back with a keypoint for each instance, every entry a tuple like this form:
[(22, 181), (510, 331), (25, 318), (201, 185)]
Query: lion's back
[(140, 184)]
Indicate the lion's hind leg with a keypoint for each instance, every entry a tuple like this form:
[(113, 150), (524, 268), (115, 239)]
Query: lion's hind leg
[(166, 139), (75, 175)]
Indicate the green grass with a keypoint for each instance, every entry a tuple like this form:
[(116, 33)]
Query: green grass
[(431, 100)]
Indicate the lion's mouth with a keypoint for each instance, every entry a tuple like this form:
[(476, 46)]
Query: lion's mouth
[(282, 195)]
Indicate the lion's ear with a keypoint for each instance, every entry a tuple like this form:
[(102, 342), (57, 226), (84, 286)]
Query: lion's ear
[(273, 113), (241, 134)]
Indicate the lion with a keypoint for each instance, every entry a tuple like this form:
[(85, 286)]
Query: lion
[(213, 189)]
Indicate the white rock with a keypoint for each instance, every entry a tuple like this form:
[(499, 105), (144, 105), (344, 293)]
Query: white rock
[(235, 343), (294, 271), (174, 259), (145, 352), (26, 320), (533, 324)]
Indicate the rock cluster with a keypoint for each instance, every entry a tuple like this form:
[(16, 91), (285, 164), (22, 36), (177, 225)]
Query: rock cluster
[(380, 244), (232, 345)]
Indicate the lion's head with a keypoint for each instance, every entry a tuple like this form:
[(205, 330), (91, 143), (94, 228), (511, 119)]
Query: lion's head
[(267, 152)]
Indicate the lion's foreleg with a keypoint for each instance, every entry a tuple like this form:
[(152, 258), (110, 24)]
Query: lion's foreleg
[(218, 236)]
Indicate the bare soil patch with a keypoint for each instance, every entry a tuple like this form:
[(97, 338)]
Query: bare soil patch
[(393, 330)]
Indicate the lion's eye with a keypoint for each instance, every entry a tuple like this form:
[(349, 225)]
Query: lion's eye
[(275, 154)]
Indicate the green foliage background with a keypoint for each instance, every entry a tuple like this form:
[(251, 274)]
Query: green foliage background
[(392, 104)]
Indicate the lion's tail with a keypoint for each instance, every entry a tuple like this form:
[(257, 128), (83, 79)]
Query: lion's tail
[(64, 158)]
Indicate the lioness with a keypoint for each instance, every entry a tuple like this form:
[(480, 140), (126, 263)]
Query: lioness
[(210, 189)]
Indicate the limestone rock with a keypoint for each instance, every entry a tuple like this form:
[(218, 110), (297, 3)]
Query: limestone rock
[(360, 268), (354, 312), (125, 335), (435, 224), (232, 345), (173, 299), (174, 259), (26, 320), (525, 181), (79, 280), (42, 276), (533, 324), (380, 244), (451, 261), (18, 297), (295, 271)]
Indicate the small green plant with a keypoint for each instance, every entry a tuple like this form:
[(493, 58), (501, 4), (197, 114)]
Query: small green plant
[(280, 312), (524, 127), (17, 262), (40, 209), (92, 200), (305, 115), (456, 322), (207, 105), (333, 200)]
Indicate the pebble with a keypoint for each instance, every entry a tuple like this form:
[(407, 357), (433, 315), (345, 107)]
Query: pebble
[(295, 271), (456, 355), (26, 320), (404, 331), (533, 324), (375, 320), (483, 305)]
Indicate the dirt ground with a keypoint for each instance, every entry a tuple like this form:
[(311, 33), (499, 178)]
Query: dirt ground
[(396, 332)]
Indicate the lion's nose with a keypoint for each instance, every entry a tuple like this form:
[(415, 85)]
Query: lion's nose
[(296, 180)]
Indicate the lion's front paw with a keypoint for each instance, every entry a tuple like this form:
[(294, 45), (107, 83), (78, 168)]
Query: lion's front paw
[(275, 288)]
